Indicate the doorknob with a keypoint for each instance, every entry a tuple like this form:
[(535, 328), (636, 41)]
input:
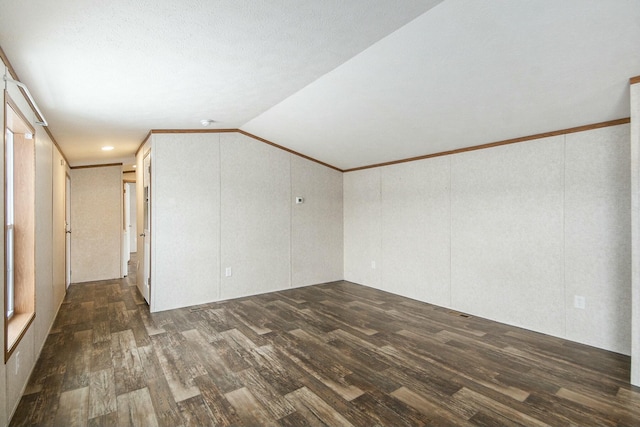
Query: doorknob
[(142, 235), (68, 231)]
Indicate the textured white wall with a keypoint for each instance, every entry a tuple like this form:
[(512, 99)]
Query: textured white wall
[(316, 224), (523, 228), (96, 222), (233, 199), (597, 222), (256, 216), (185, 219), (362, 227), (18, 372), (506, 234), (416, 220), (46, 309)]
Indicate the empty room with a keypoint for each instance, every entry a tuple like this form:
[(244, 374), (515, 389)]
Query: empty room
[(295, 213)]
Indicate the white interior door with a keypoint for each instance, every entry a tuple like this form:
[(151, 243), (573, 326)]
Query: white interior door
[(126, 250), (146, 233), (133, 217), (67, 230)]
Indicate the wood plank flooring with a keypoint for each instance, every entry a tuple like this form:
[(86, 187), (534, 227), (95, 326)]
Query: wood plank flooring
[(336, 354)]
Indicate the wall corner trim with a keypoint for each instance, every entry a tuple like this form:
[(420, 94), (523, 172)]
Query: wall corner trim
[(144, 141)]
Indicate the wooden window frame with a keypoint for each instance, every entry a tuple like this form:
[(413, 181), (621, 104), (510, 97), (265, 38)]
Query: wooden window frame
[(24, 313)]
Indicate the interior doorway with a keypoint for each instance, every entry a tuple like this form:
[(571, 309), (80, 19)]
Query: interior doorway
[(129, 224), (67, 230), (146, 230), (126, 230), (133, 215)]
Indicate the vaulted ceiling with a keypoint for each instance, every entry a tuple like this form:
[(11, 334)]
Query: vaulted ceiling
[(349, 83)]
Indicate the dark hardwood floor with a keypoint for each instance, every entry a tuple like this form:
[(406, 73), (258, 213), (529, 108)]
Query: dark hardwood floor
[(335, 354)]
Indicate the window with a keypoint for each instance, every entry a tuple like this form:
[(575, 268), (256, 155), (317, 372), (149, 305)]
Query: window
[(9, 247), (19, 234)]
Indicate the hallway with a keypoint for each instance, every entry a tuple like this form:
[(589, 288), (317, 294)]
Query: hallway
[(332, 354)]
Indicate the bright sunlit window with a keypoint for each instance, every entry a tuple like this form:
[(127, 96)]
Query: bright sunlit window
[(9, 214), (19, 227)]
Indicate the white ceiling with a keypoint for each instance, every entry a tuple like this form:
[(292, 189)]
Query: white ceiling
[(106, 72), (350, 83)]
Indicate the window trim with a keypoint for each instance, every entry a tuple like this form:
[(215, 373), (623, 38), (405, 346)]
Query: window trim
[(9, 231), (17, 325)]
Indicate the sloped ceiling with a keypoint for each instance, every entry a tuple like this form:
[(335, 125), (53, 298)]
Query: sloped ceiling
[(349, 83), (463, 74)]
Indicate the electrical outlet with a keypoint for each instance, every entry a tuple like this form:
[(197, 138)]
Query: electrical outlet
[(579, 302), (227, 272)]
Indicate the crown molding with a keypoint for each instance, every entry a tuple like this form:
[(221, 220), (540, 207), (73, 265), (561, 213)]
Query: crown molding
[(273, 144), (498, 143), (240, 131), (106, 165)]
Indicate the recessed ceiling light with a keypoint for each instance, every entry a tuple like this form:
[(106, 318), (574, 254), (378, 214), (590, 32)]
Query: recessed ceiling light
[(206, 122), (107, 148)]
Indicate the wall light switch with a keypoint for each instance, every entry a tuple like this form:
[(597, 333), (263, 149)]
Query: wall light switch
[(227, 272), (373, 265), (579, 302)]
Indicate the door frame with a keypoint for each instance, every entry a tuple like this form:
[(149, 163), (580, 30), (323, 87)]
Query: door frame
[(146, 232), (67, 230)]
